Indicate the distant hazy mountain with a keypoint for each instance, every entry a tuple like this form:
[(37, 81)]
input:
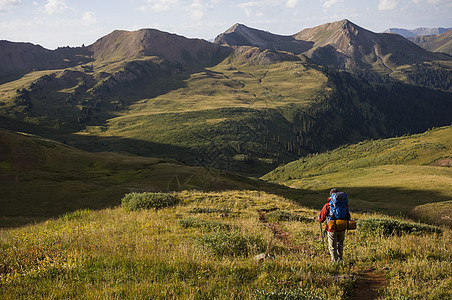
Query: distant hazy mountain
[(241, 35), (418, 31), (437, 43)]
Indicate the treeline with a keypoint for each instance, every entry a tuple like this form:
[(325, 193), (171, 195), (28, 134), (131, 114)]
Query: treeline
[(432, 76), (255, 141)]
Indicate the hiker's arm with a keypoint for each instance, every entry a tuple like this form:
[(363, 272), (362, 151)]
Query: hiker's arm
[(324, 212)]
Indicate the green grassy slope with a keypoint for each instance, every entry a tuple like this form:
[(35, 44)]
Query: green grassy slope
[(204, 248), (251, 112), (42, 178), (393, 175)]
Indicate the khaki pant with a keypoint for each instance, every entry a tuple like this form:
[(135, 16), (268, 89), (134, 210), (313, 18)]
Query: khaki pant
[(336, 245)]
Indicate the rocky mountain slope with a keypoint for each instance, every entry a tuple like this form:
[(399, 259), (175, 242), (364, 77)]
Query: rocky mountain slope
[(17, 59), (241, 35), (346, 44), (121, 45)]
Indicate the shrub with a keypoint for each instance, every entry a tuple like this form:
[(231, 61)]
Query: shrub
[(232, 243), (74, 215), (388, 227), (296, 294), (137, 201), (198, 223)]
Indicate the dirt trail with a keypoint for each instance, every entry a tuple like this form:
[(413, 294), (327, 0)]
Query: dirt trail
[(368, 283), (283, 235)]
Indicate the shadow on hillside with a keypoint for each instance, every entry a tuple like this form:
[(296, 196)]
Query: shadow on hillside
[(27, 198), (390, 201)]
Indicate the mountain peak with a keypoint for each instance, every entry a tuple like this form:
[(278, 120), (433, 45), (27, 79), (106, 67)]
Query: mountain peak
[(121, 44), (347, 26), (343, 43), (237, 27), (344, 22), (241, 35)]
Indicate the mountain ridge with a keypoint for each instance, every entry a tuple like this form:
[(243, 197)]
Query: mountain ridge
[(241, 35), (420, 31), (19, 58), (243, 108), (344, 43), (121, 44), (437, 43)]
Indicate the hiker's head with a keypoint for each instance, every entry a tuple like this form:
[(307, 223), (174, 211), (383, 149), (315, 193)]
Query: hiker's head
[(333, 190)]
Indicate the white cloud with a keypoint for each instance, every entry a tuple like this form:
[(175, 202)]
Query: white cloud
[(330, 3), (5, 5), (255, 7), (55, 6), (387, 4), (292, 3), (160, 5), (198, 9), (89, 18), (439, 3), (248, 7)]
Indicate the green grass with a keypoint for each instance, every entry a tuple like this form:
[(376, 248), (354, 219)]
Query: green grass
[(138, 201), (391, 175), (112, 253), (434, 213), (41, 178)]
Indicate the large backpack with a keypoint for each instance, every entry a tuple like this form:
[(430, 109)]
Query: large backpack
[(339, 207)]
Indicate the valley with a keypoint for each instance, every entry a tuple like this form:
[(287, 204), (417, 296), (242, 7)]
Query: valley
[(246, 135)]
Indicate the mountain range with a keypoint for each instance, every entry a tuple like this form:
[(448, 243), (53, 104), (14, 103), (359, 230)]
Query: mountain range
[(246, 103), (338, 44), (409, 33), (437, 43)]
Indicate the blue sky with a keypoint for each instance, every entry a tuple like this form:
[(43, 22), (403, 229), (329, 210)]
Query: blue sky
[(54, 23)]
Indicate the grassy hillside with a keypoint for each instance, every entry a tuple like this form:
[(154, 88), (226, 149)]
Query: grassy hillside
[(250, 113), (40, 178), (433, 213), (205, 248), (393, 175)]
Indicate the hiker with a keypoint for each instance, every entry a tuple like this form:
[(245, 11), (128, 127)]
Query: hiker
[(328, 212)]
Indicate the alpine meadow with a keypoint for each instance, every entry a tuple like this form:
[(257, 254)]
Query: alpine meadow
[(148, 165)]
